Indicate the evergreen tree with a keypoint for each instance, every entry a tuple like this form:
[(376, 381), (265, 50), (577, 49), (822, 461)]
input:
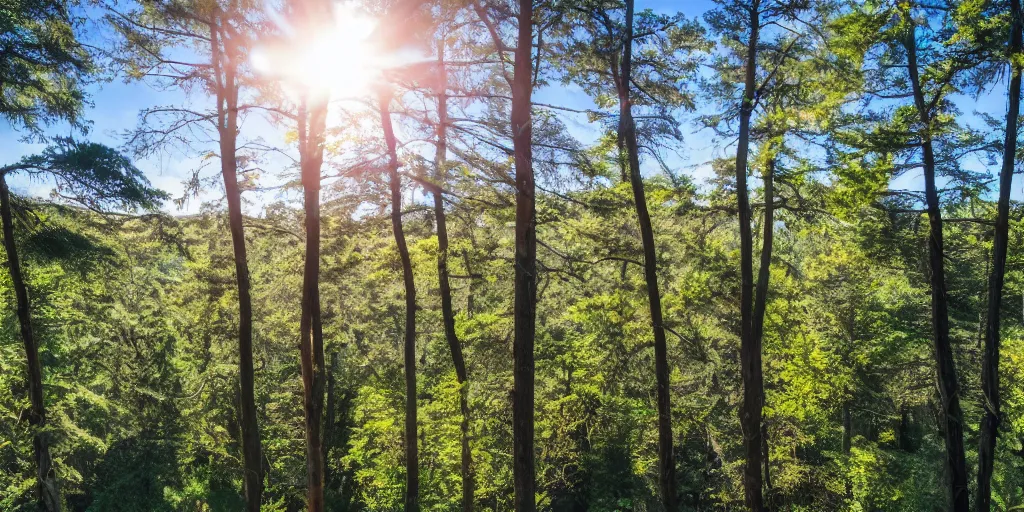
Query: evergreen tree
[(99, 178)]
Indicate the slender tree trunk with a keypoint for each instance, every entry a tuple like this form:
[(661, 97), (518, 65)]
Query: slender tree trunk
[(447, 311), (764, 272), (312, 123), (989, 430), (761, 298), (847, 428), (946, 370), (767, 461), (329, 417), (524, 310), (249, 423), (412, 464), (47, 490), (628, 142), (225, 68), (750, 345)]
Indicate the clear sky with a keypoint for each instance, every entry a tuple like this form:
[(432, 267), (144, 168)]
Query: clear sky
[(116, 106)]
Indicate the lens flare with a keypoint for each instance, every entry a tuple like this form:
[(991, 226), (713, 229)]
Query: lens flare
[(339, 60)]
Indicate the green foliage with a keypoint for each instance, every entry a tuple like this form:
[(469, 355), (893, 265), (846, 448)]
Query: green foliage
[(139, 351), (137, 316), (93, 175), (43, 64)]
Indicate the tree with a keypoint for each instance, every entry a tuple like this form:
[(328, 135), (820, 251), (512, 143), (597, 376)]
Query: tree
[(227, 52), (897, 44), (989, 431), (525, 310), (444, 281), (600, 58), (412, 468), (525, 261), (312, 123), (99, 178), (758, 59), (42, 73), (312, 18), (947, 377), (222, 35), (627, 140)]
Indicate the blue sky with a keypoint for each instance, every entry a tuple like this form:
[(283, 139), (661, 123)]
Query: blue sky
[(115, 109), (116, 106)]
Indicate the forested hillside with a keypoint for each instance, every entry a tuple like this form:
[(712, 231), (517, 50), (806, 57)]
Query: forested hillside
[(514, 255)]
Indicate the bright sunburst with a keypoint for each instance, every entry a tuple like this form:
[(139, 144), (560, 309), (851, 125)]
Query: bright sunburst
[(340, 61)]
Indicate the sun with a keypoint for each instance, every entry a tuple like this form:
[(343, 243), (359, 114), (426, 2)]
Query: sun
[(341, 61)]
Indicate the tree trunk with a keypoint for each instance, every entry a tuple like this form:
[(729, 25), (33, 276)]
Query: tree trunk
[(249, 423), (750, 345), (447, 311), (524, 310), (329, 415), (47, 490), (525, 260), (989, 430), (761, 297), (767, 461), (847, 428), (225, 67), (946, 370), (312, 123), (764, 271), (412, 464), (904, 430), (628, 142)]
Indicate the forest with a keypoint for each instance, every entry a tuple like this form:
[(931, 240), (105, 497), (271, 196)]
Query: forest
[(511, 255)]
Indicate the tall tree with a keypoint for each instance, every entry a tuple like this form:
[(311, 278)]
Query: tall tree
[(989, 430), (444, 282), (226, 49), (628, 140), (312, 119), (750, 346), (222, 34), (412, 464), (745, 19), (949, 391), (900, 46), (600, 58), (41, 79), (312, 19), (525, 260), (525, 305), (97, 177), (761, 295), (47, 490), (757, 57)]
